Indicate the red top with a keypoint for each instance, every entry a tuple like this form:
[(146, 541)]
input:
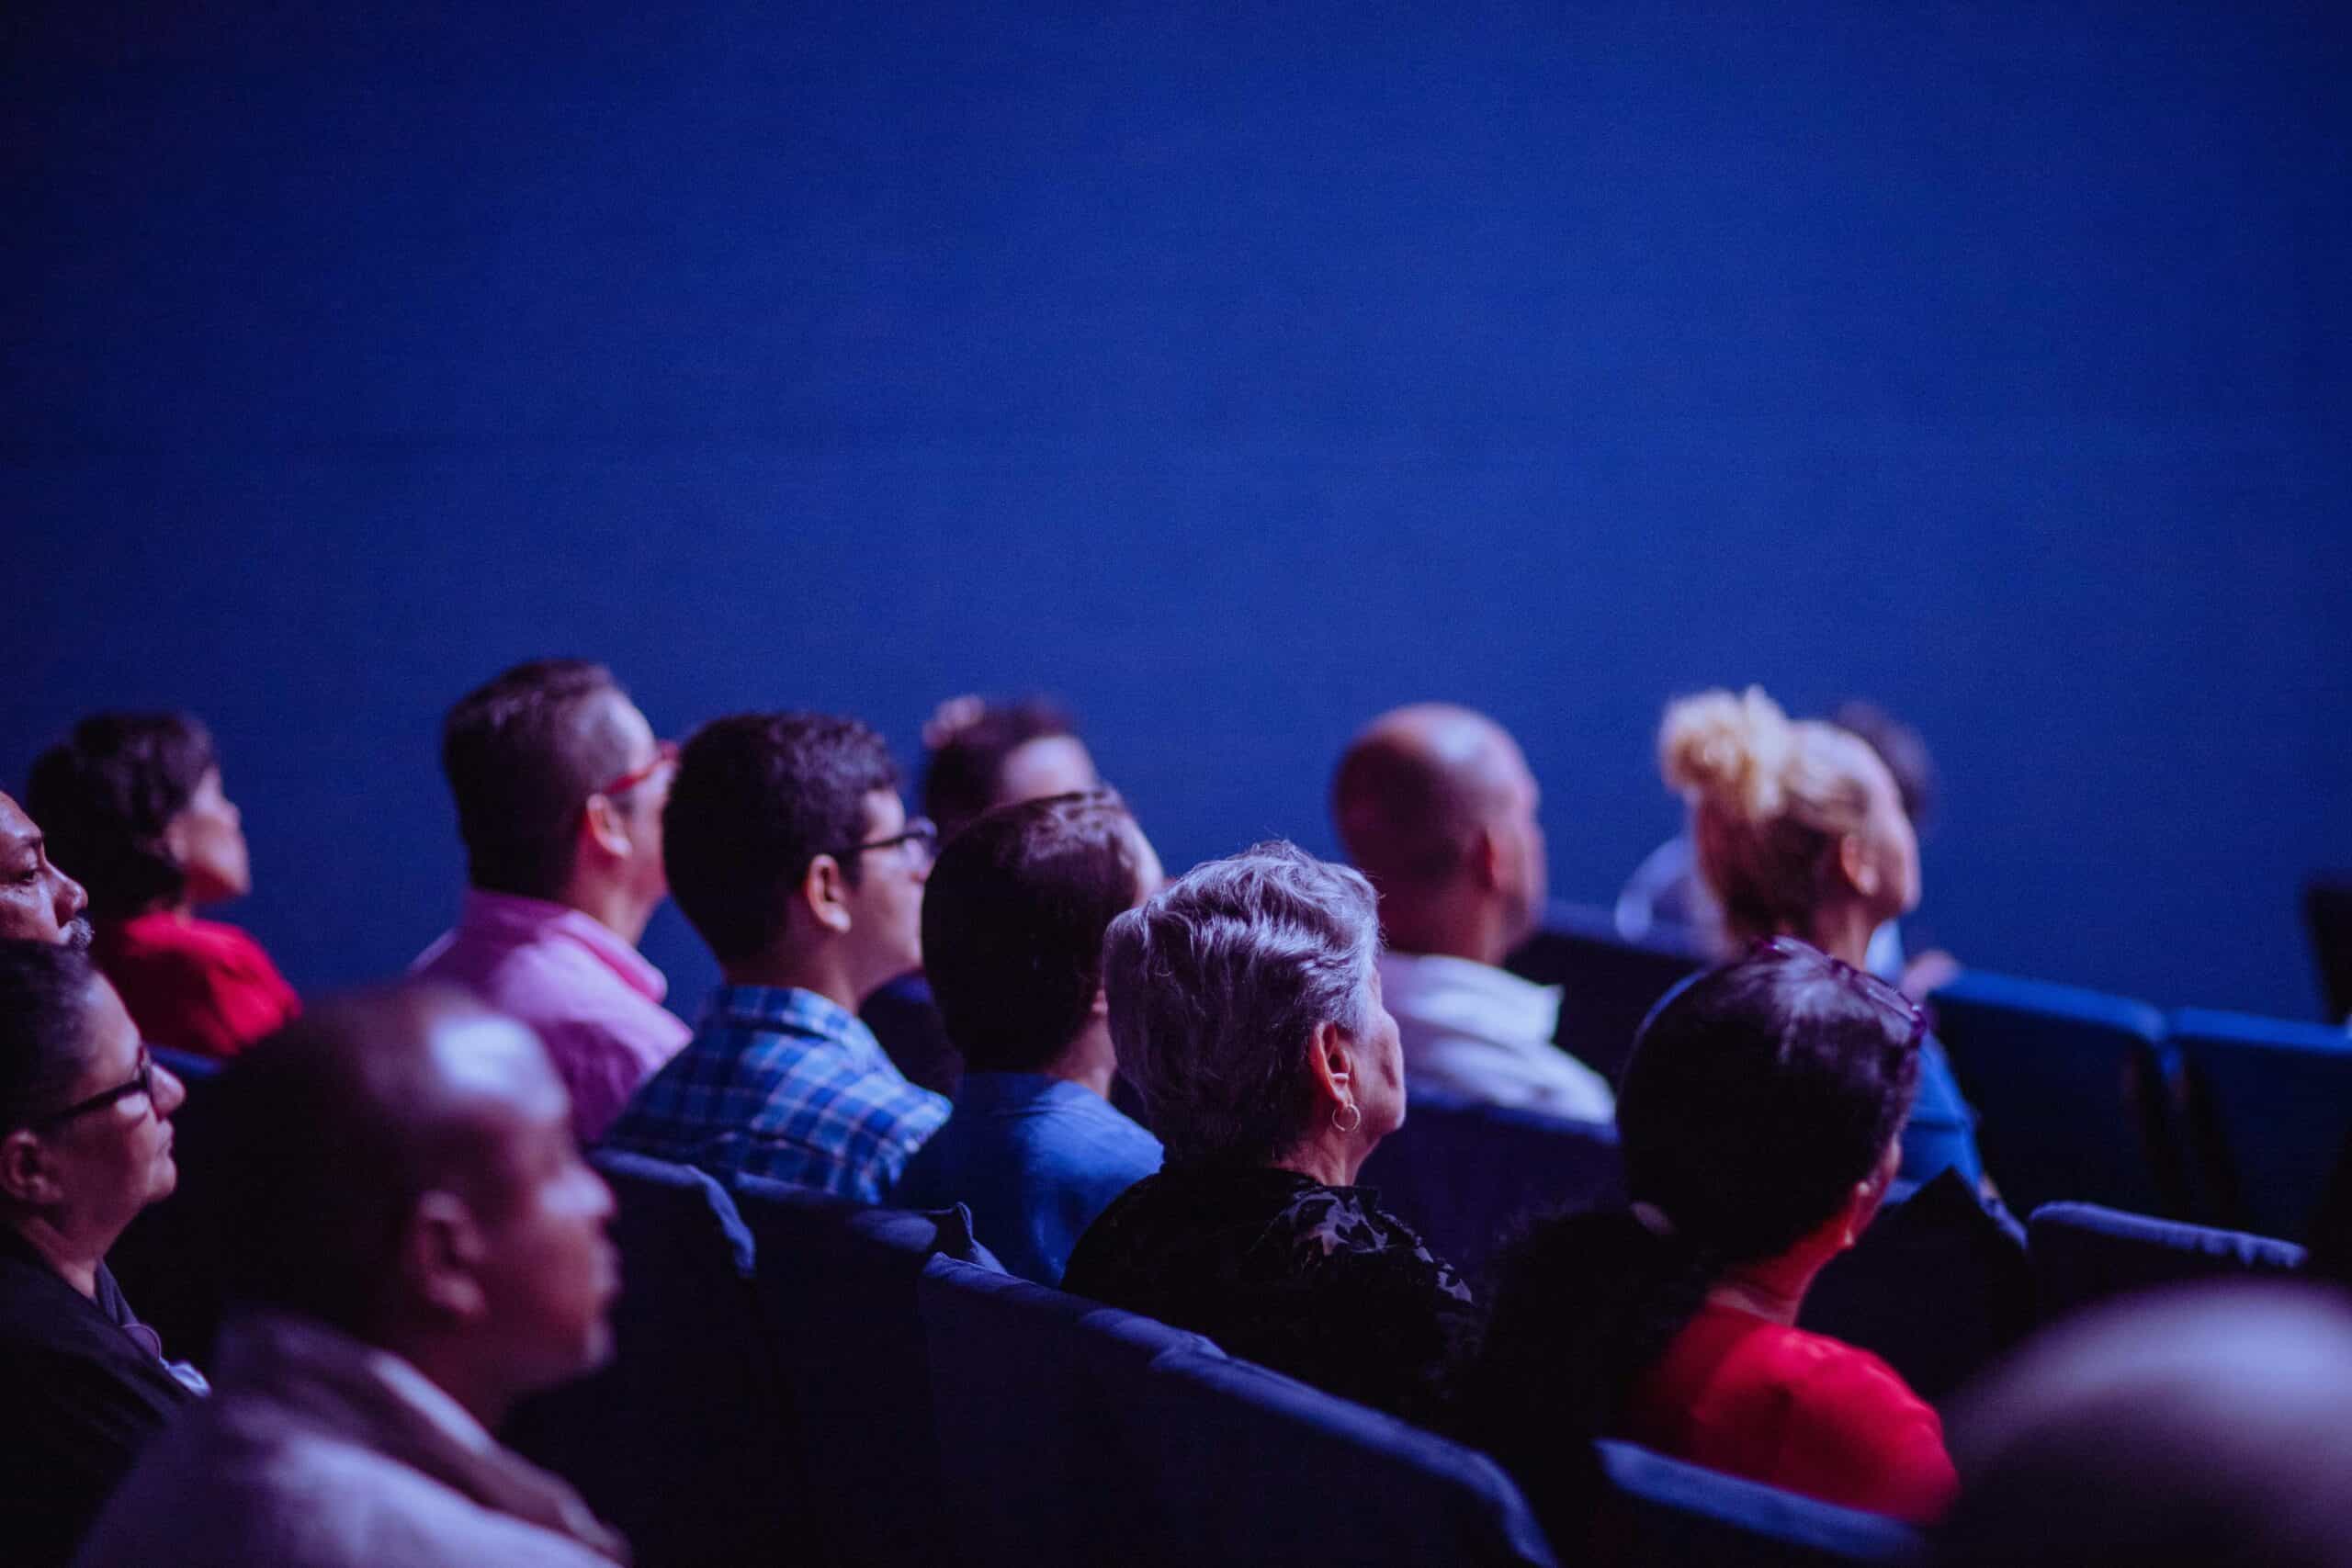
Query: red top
[(194, 985), (1803, 1412)]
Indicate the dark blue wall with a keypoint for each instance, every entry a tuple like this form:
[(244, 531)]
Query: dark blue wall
[(1234, 372)]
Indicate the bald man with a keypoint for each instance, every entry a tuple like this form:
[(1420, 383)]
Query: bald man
[(1436, 806), (414, 1245)]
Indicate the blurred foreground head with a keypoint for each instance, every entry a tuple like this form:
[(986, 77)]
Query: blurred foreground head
[(406, 1173), (2210, 1426)]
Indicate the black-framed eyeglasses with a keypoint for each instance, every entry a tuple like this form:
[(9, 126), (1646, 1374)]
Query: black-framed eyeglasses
[(920, 839), (140, 1082)]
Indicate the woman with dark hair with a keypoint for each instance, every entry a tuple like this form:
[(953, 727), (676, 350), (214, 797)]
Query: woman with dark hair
[(132, 805), (1760, 1120), (85, 1142)]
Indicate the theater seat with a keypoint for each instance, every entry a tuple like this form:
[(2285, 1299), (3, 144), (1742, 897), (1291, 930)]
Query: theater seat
[(2327, 915), (1464, 1174), (1608, 984), (2271, 1102), (837, 1295), (2073, 1091), (1238, 1465), (2083, 1254), (1661, 1510), (683, 1442), (1037, 1398), (1937, 1287)]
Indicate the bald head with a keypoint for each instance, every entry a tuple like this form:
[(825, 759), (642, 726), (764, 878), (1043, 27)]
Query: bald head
[(344, 1120), (1436, 804), (2210, 1425)]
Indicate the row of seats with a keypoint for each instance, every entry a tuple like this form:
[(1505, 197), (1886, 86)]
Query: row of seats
[(802, 1379), (2221, 1117)]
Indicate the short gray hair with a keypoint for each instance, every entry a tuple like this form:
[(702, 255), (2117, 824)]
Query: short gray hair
[(1217, 985)]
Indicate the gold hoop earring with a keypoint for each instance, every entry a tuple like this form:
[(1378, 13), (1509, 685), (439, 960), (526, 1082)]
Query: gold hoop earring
[(1355, 1119)]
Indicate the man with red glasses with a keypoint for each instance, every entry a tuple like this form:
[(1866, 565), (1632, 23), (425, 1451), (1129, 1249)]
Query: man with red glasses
[(560, 785)]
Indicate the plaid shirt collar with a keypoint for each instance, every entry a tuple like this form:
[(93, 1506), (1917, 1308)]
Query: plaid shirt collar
[(791, 1009)]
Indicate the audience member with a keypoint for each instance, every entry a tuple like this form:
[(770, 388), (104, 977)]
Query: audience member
[(792, 854), (980, 756), (1759, 1119), (1013, 924), (1799, 831), (1436, 806), (560, 785), (85, 1142), (2202, 1427), (134, 805), (37, 901), (1667, 896), (419, 1246), (1245, 1004)]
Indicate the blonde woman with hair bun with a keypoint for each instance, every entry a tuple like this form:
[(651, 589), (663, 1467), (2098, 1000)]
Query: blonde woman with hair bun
[(1799, 829)]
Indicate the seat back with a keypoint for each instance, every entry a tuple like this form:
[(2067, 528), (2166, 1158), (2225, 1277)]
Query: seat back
[(1662, 1510), (1464, 1175), (2270, 1100), (2083, 1254), (2073, 1087), (683, 1442), (2327, 915), (837, 1293), (1036, 1398), (1608, 984), (1938, 1287), (1242, 1465)]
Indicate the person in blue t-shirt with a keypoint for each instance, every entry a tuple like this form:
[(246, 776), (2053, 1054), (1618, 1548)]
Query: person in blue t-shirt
[(1012, 926), (1799, 831)]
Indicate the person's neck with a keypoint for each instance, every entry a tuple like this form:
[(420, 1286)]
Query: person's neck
[(1844, 932), (615, 908), (1331, 1159), (821, 971), (1446, 927), (74, 1258), (1773, 1289), (445, 1365), (1090, 1061)]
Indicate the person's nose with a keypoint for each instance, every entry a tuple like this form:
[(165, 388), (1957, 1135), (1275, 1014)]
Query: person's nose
[(71, 898), (170, 1093)]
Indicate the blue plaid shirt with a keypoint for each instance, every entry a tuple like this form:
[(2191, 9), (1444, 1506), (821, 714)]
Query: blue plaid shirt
[(783, 1084)]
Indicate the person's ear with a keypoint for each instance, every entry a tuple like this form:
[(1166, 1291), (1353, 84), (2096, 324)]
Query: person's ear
[(442, 1250), (1101, 1006), (28, 1173), (1489, 861), (1870, 1193), (1330, 1060), (175, 838), (824, 893), (1857, 865), (603, 825)]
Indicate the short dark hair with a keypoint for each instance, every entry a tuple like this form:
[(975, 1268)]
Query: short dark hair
[(1013, 924), (757, 797), (44, 1026), (105, 795), (1756, 1098), (523, 753), (965, 762)]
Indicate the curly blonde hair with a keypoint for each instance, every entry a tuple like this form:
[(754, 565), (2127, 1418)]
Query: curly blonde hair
[(1772, 799)]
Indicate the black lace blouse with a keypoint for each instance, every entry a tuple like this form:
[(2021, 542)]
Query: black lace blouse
[(1309, 1280)]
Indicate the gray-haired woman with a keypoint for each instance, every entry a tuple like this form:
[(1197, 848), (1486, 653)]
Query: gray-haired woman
[(1246, 1009)]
